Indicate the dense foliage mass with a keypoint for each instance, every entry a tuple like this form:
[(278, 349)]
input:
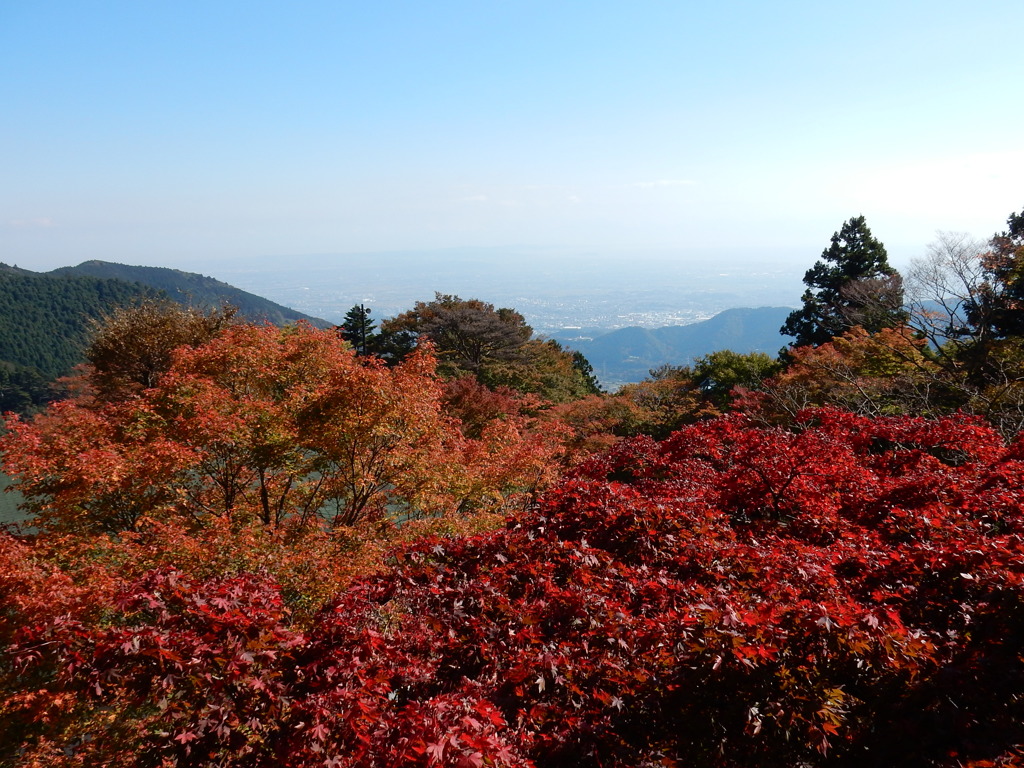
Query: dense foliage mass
[(297, 547), (847, 592), (22, 387), (285, 427)]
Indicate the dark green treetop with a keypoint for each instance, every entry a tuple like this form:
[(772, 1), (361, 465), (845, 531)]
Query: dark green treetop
[(470, 336), (359, 330), (852, 284), (586, 371), (718, 373)]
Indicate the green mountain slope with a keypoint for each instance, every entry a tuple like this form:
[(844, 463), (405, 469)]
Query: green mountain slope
[(44, 320), (194, 289), (45, 316)]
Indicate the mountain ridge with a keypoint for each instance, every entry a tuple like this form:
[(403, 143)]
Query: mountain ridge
[(628, 354), (193, 289), (45, 317)]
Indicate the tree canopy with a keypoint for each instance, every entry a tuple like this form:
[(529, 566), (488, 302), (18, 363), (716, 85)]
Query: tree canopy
[(283, 427), (495, 346), (469, 336), (131, 347)]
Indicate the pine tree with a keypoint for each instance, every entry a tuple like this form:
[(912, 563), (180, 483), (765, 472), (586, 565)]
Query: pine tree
[(586, 372), (358, 329), (852, 284)]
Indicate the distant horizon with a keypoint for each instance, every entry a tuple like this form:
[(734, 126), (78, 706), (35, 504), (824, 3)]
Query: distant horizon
[(596, 290), (724, 255), (186, 133), (591, 291)]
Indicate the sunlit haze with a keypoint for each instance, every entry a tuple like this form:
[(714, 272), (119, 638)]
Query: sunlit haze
[(194, 134)]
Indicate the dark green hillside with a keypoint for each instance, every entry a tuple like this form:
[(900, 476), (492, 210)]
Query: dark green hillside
[(44, 321), (195, 290), (21, 387)]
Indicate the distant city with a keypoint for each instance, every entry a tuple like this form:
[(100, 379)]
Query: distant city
[(561, 295)]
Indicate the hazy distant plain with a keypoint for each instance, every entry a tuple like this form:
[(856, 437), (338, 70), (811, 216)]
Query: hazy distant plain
[(557, 292)]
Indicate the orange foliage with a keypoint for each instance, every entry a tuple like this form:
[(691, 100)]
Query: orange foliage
[(655, 406), (883, 373), (286, 428)]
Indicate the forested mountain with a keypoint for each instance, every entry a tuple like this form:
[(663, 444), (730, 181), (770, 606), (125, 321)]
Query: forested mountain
[(193, 289), (628, 354), (43, 320), (45, 317)]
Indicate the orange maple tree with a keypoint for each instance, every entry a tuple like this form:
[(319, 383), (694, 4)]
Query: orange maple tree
[(285, 428)]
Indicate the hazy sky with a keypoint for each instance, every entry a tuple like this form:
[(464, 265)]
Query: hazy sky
[(180, 132)]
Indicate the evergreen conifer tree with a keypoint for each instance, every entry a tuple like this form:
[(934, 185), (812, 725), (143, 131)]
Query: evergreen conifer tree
[(359, 330), (852, 284)]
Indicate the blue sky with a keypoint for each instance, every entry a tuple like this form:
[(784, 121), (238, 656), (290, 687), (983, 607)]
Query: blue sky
[(177, 133)]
